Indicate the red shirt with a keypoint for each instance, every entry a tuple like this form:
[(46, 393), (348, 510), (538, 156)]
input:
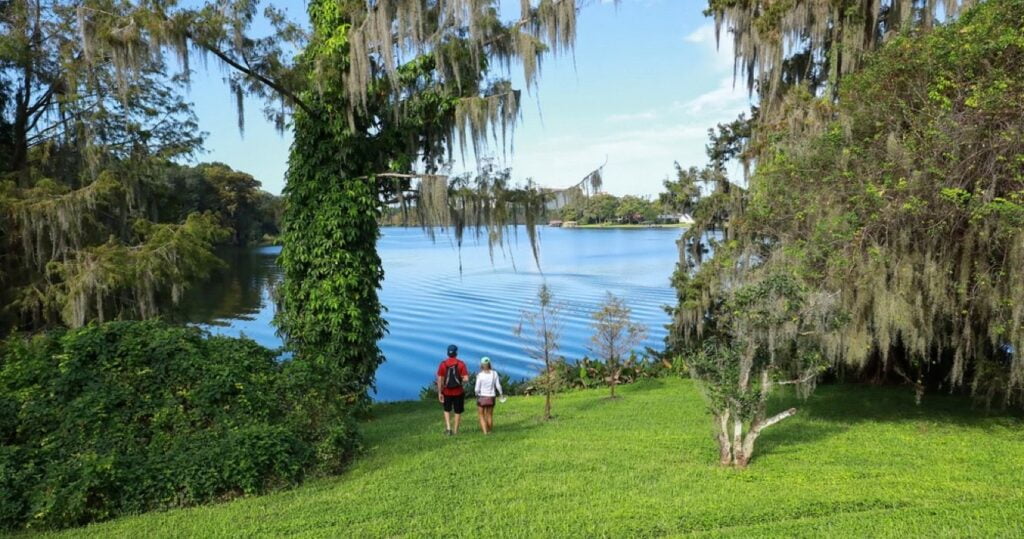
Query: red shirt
[(460, 368)]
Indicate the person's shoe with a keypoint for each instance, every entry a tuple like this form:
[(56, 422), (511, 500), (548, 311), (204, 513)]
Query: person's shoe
[(447, 432)]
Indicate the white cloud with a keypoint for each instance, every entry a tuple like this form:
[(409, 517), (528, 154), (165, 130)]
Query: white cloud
[(729, 98), (634, 117), (720, 52), (703, 34)]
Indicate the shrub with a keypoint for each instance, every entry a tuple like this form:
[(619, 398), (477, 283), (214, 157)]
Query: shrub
[(508, 386), (584, 374), (126, 417)]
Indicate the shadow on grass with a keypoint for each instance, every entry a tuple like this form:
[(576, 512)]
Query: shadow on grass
[(856, 403), (834, 409)]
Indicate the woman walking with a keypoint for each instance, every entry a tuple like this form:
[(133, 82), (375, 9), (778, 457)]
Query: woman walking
[(488, 387)]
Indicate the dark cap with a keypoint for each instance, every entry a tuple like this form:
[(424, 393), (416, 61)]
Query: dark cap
[(453, 350)]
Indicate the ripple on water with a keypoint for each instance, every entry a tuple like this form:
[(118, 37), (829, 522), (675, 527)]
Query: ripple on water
[(430, 304)]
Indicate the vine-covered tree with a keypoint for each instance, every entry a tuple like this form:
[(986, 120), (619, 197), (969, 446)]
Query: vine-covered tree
[(381, 93)]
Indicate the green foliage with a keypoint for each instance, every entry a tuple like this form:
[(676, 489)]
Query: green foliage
[(126, 417), (615, 335), (900, 204), (91, 125), (509, 386), (858, 461), (234, 196), (590, 373), (602, 208), (636, 210)]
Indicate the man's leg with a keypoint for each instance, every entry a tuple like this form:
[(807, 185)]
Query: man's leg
[(458, 403), (447, 422)]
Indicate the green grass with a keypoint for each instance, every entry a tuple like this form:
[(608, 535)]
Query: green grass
[(855, 461)]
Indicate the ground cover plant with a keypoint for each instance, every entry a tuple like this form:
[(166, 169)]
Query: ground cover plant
[(857, 461), (126, 417)]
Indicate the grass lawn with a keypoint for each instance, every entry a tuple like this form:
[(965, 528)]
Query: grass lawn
[(855, 461)]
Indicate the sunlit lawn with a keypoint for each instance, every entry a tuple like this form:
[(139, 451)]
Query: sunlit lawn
[(856, 461)]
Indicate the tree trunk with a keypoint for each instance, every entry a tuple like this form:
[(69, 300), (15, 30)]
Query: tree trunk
[(724, 445), (738, 450)]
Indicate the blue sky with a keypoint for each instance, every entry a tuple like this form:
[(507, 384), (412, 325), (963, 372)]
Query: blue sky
[(644, 86)]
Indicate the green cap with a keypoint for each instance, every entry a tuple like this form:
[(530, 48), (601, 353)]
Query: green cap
[(485, 360)]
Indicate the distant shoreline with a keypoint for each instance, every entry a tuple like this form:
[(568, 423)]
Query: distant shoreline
[(579, 227), (600, 226)]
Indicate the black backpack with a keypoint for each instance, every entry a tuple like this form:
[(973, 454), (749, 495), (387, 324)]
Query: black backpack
[(451, 377)]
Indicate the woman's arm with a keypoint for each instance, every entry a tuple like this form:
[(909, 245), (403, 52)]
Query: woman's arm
[(479, 383), (497, 384)]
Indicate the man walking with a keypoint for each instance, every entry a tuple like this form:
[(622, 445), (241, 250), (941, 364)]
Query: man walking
[(451, 374)]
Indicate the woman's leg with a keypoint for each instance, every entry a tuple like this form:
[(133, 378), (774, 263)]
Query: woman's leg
[(490, 418), (481, 413)]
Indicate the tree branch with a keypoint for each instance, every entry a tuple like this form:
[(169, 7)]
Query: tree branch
[(772, 420), (805, 379), (277, 87)]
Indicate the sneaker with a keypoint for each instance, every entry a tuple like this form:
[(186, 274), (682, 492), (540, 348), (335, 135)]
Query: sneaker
[(447, 432)]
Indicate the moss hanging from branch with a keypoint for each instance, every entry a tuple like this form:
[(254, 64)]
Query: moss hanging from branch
[(814, 42), (904, 200)]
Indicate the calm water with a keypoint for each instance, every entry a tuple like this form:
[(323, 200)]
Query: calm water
[(430, 304)]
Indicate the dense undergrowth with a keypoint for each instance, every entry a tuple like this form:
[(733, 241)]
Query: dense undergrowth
[(126, 417)]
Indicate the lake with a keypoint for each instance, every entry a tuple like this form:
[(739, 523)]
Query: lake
[(430, 304)]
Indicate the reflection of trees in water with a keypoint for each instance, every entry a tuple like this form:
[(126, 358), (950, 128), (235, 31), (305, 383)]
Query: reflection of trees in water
[(236, 291)]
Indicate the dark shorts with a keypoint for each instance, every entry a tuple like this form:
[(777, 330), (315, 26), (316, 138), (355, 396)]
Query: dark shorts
[(485, 402), (455, 404)]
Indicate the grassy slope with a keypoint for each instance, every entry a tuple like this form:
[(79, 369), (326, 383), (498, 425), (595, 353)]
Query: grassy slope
[(855, 461)]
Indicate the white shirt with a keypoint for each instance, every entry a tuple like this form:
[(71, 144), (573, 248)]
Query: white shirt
[(488, 384)]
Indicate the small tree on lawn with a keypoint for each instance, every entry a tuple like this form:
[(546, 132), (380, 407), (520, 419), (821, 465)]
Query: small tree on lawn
[(615, 335), (759, 336), (540, 331)]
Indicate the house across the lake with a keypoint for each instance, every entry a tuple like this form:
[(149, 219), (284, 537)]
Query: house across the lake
[(673, 218)]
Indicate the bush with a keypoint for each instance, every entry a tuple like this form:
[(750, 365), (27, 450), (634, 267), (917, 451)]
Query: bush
[(508, 386), (585, 374), (126, 417), (590, 373)]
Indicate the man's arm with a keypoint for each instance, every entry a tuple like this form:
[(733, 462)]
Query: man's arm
[(440, 397)]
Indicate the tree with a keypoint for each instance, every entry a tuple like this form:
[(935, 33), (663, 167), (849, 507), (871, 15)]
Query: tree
[(681, 195), (540, 331), (600, 208), (814, 43), (755, 337), (379, 94), (871, 202), (615, 335), (635, 210)]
